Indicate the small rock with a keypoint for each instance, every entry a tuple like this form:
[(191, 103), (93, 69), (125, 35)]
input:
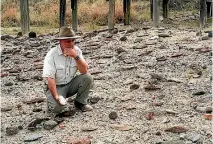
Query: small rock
[(124, 38), (4, 75), (174, 80), (158, 133), (61, 126), (37, 109), (193, 137), (139, 46), (5, 109), (182, 136), (48, 125), (12, 130), (164, 35), (150, 116), (151, 87), (121, 127), (205, 38), (35, 100), (198, 93), (8, 84), (176, 54), (163, 58), (32, 137), (173, 142), (38, 77), (113, 115), (200, 109), (177, 129), (79, 141), (126, 97), (171, 112), (94, 100), (134, 86), (210, 34), (90, 128), (32, 35), (208, 109), (32, 125), (207, 116)]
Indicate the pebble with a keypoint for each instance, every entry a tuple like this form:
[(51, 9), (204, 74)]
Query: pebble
[(113, 115), (32, 137), (48, 125), (12, 130)]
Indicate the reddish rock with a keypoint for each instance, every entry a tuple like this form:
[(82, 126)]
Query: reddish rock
[(176, 55), (150, 116), (79, 141), (207, 116), (4, 74), (177, 129)]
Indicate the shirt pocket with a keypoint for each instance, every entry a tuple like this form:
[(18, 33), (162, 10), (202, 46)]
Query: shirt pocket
[(60, 72)]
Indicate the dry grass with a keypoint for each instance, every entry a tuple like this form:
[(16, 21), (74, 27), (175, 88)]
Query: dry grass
[(45, 14)]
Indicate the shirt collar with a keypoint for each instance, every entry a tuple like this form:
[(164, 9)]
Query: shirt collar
[(59, 50)]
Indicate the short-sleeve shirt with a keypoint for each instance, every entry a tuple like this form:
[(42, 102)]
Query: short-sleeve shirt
[(59, 67)]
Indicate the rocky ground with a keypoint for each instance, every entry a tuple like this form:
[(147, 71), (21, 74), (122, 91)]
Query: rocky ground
[(152, 86)]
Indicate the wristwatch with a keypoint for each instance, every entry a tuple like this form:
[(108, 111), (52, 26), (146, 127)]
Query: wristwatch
[(77, 58)]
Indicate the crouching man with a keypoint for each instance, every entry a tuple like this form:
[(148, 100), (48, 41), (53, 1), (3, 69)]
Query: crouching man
[(60, 66)]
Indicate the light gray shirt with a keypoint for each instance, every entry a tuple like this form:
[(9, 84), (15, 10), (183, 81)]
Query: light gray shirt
[(59, 67)]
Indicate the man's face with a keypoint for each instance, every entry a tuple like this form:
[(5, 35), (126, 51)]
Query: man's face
[(67, 43)]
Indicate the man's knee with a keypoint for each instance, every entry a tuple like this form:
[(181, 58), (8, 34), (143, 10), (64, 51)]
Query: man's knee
[(88, 78)]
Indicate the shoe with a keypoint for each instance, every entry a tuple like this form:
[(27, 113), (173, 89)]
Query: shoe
[(86, 107), (83, 107)]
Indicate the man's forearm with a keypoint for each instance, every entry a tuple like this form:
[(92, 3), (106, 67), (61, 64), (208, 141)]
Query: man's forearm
[(52, 88), (82, 66)]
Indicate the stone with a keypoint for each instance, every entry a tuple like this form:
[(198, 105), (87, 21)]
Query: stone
[(164, 35), (32, 35), (169, 111), (8, 84), (150, 116), (173, 142), (198, 93), (208, 110), (5, 109), (38, 77), (37, 109), (163, 58), (158, 133), (3, 75), (84, 140), (94, 100), (89, 128), (176, 129), (124, 38), (33, 124), (174, 80), (113, 115), (134, 86), (126, 97), (12, 130), (121, 127), (207, 116), (200, 109), (32, 137), (210, 34), (194, 137), (140, 46), (35, 100), (70, 112), (176, 55), (50, 124), (151, 87)]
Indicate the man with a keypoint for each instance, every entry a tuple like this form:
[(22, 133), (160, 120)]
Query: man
[(60, 66)]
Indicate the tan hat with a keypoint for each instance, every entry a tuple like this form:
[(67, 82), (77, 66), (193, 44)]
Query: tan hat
[(66, 33)]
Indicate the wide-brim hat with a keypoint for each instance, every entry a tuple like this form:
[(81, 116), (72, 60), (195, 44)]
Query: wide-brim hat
[(66, 33)]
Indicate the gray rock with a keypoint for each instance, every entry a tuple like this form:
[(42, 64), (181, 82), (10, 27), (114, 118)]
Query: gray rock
[(194, 137), (140, 46), (48, 125), (173, 142), (12, 130), (32, 137), (124, 38), (113, 115)]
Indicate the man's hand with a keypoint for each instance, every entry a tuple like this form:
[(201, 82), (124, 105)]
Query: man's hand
[(70, 52)]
